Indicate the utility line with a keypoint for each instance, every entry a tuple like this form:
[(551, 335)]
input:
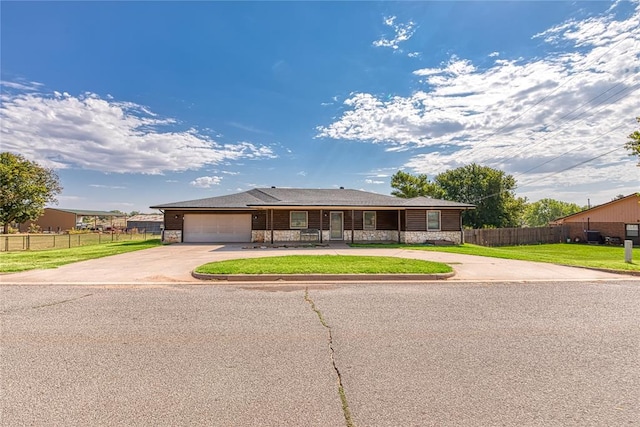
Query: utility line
[(569, 151), (548, 136), (549, 175), (570, 167), (551, 93)]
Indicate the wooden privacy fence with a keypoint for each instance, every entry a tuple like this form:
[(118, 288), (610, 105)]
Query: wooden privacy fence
[(514, 236)]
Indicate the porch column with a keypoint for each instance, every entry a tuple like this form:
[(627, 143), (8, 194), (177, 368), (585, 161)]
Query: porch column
[(399, 226), (353, 224), (321, 218), (271, 225)]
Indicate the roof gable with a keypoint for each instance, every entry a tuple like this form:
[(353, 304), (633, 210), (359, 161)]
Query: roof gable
[(609, 206)]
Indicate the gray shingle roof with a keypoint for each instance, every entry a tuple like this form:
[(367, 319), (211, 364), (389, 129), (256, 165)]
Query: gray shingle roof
[(275, 197), (84, 212)]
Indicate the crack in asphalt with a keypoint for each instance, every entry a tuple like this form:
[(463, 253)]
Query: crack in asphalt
[(343, 397), (33, 307), (62, 302)]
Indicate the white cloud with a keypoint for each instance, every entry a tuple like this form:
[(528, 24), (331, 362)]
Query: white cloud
[(20, 85), (518, 113), (455, 67), (302, 173), (413, 54), (401, 33), (373, 181), (60, 130), (206, 181), (110, 187)]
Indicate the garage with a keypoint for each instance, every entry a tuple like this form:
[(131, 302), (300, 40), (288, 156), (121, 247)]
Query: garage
[(217, 228)]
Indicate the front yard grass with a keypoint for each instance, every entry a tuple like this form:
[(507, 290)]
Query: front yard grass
[(578, 255), (11, 262), (324, 264)]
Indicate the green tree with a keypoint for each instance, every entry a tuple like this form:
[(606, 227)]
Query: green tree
[(408, 186), (633, 144), (540, 213), (25, 188), (491, 190)]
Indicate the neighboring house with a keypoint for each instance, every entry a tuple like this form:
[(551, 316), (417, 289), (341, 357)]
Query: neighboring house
[(150, 223), (293, 215), (55, 220), (619, 219)]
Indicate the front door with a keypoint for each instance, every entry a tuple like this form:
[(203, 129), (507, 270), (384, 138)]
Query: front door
[(335, 226)]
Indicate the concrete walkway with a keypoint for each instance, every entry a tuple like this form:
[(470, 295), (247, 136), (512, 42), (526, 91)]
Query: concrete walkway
[(174, 263)]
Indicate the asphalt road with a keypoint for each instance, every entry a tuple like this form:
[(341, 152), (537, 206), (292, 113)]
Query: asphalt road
[(442, 353)]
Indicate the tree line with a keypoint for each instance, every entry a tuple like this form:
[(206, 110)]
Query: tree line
[(491, 190)]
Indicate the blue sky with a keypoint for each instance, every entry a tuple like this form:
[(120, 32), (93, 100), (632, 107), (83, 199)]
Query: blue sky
[(136, 104)]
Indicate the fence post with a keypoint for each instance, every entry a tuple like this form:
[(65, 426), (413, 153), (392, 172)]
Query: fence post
[(54, 241), (79, 240), (628, 250), (6, 244), (69, 239)]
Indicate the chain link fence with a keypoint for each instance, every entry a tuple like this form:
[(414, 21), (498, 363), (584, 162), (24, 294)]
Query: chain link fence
[(37, 242)]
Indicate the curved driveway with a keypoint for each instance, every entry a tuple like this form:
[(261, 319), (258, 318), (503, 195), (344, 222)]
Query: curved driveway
[(174, 263)]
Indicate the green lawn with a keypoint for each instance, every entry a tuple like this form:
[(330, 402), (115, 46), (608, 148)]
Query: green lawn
[(593, 256), (324, 264), (11, 262)]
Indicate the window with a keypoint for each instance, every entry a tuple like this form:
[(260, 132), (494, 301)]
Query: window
[(369, 220), (433, 220), (298, 219), (633, 230)]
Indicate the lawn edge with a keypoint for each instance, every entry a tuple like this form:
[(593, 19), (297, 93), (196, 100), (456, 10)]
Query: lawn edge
[(320, 277)]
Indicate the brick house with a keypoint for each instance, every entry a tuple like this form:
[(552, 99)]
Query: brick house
[(270, 215), (618, 218)]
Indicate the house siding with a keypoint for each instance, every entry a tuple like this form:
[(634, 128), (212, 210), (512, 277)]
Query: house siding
[(53, 221), (417, 219), (450, 220), (625, 210), (413, 224)]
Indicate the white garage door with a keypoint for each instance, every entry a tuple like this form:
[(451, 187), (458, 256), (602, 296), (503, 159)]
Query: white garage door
[(217, 228)]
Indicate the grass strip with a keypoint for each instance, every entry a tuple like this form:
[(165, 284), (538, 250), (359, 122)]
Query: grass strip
[(11, 262), (578, 255), (324, 264)]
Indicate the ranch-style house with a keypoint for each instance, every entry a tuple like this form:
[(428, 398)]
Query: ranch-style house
[(274, 215)]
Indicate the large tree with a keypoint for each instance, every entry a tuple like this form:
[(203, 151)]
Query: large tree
[(408, 186), (491, 190), (25, 188), (540, 213), (633, 143)]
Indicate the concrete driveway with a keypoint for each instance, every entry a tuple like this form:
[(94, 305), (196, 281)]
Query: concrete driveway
[(174, 263)]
